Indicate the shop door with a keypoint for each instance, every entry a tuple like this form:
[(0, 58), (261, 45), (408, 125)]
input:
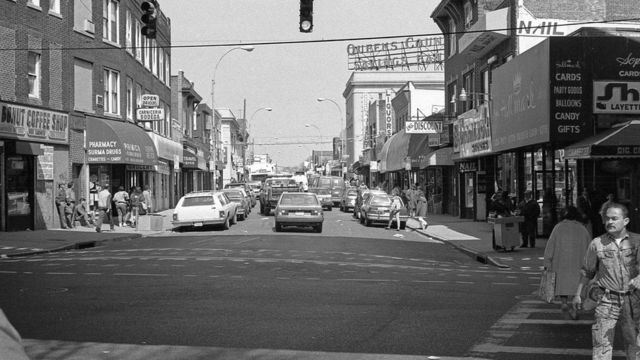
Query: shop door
[(19, 192)]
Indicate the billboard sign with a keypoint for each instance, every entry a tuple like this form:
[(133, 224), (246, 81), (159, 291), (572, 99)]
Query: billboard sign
[(616, 97)]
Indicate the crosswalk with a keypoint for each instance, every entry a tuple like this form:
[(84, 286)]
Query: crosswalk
[(533, 329)]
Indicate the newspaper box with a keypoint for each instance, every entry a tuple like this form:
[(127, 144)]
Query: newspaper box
[(506, 232), (150, 222)]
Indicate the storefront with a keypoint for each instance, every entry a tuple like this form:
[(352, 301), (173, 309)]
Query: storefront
[(167, 171), (34, 153), (119, 154)]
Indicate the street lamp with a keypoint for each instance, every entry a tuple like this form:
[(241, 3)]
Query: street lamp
[(213, 109), (342, 144), (317, 128), (464, 95)]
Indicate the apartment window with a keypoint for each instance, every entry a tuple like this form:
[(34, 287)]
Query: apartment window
[(111, 92), (147, 53), (34, 3), (110, 21), (54, 6), (33, 73), (138, 95), (82, 85), (484, 85), (453, 44), (467, 85), (138, 38), (165, 129), (154, 57), (129, 98), (128, 33), (468, 14), (167, 67), (161, 70), (82, 16)]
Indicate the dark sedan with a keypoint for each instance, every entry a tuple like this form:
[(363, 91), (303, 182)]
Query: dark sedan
[(299, 209), (376, 208)]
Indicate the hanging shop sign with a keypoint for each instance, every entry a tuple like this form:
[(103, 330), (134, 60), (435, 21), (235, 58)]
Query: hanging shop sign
[(388, 111), (423, 127), (467, 166), (34, 124), (616, 97), (472, 132)]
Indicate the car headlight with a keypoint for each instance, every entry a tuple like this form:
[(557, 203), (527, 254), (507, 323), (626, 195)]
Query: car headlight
[(175, 216)]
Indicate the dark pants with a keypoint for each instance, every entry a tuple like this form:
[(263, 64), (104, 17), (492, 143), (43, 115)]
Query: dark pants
[(529, 233), (62, 206), (101, 214)]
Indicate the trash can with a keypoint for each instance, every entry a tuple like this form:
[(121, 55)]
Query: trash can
[(150, 222), (506, 232)]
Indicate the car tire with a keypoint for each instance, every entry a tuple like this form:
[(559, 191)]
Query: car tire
[(318, 228), (329, 208), (360, 218), (278, 227)]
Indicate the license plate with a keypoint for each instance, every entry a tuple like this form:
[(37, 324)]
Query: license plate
[(299, 213), (384, 214), (198, 224)]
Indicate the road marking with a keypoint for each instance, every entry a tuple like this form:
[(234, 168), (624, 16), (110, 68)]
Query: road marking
[(60, 273), (8, 272), (134, 274)]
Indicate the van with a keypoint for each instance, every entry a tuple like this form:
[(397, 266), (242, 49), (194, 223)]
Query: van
[(335, 184)]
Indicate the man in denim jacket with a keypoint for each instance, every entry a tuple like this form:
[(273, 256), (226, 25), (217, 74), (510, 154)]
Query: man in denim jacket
[(612, 262)]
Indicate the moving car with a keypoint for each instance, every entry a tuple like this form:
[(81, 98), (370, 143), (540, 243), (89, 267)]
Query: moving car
[(348, 200), (324, 195), (299, 209), (376, 208), (335, 184), (199, 208), (271, 191), (242, 199)]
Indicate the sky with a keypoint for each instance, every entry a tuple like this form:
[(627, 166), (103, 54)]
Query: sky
[(289, 78)]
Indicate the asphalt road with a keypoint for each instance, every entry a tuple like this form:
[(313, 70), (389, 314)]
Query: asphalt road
[(350, 290)]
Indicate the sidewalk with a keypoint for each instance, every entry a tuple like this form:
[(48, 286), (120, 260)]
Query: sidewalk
[(471, 237)]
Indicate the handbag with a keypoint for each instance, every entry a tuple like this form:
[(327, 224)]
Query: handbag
[(547, 286)]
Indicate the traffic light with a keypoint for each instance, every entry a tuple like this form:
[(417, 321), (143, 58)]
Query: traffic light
[(149, 18), (306, 16)]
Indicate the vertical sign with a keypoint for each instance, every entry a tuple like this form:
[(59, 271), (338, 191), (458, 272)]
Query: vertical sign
[(387, 114), (45, 163)]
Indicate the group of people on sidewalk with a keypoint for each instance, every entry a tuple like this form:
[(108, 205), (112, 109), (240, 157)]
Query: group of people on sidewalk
[(600, 273), (127, 205), (415, 202)]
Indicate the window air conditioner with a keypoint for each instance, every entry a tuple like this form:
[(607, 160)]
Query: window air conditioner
[(89, 26), (99, 101)]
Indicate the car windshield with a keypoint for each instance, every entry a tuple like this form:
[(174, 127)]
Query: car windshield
[(324, 182), (198, 201), (323, 192), (298, 199), (381, 200), (352, 192), (234, 195), (338, 183), (282, 182)]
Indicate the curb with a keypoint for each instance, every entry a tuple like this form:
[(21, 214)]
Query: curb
[(477, 255), (73, 246)]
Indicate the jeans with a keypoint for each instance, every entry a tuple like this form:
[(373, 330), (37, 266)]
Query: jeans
[(610, 310), (121, 207)]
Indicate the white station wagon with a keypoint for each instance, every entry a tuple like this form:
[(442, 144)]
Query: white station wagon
[(200, 208)]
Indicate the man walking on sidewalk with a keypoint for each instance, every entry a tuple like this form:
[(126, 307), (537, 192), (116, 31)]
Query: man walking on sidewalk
[(611, 260), (530, 210), (104, 207)]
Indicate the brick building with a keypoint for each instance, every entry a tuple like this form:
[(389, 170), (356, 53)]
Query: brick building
[(73, 75)]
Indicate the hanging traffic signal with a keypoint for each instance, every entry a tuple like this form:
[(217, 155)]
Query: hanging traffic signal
[(306, 16), (149, 18)]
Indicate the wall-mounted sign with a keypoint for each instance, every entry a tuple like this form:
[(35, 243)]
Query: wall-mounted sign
[(616, 97), (472, 134), (150, 114), (150, 100), (423, 127), (34, 124), (388, 111)]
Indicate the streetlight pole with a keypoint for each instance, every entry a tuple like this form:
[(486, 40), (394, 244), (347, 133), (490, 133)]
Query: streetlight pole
[(342, 143), (213, 110), (246, 145)]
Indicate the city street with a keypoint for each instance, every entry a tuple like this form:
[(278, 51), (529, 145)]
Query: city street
[(352, 289)]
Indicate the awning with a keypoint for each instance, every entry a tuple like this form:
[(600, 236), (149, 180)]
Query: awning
[(400, 146), (440, 157), (118, 142), (618, 142)]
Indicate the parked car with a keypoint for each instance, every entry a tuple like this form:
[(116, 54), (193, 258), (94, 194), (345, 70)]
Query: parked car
[(324, 195), (376, 208), (299, 209), (243, 199), (360, 196), (200, 208), (246, 188), (335, 184), (348, 200)]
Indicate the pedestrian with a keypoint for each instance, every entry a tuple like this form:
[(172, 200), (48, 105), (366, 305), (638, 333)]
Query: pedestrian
[(146, 200), (134, 202), (81, 211), (104, 207), (611, 262), (412, 200), (121, 199), (396, 205), (530, 210), (564, 253), (421, 207), (61, 204)]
